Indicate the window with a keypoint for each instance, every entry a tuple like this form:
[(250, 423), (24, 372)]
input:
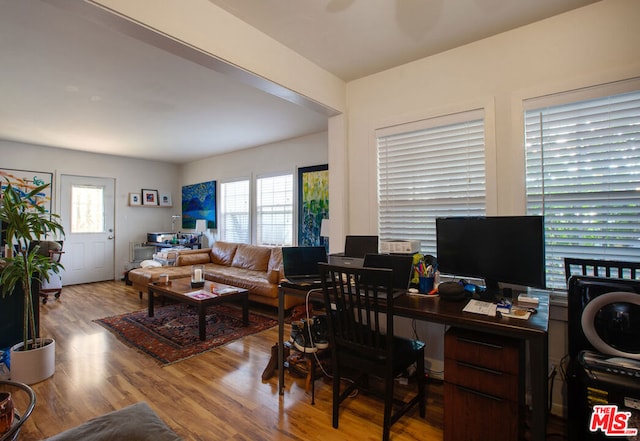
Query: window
[(234, 212), (274, 210), (429, 169), (583, 174), (87, 209)]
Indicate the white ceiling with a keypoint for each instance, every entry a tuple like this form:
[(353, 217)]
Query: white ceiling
[(74, 82)]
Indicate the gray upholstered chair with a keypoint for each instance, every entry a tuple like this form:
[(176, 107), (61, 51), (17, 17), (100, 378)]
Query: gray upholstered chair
[(53, 283)]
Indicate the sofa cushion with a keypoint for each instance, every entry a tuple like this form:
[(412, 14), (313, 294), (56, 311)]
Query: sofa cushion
[(136, 422), (193, 259), (222, 252), (140, 277), (252, 257), (275, 260), (255, 281)]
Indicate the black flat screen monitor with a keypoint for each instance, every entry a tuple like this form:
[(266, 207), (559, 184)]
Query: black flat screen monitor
[(401, 264), (302, 262), (360, 246), (508, 249)]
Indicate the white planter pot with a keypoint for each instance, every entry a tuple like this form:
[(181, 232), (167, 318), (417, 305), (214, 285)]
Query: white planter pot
[(34, 365)]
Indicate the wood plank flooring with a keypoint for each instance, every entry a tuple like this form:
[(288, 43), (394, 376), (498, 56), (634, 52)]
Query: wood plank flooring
[(214, 396)]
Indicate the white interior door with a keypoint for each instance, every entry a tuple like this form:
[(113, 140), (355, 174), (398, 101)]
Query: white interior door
[(87, 214)]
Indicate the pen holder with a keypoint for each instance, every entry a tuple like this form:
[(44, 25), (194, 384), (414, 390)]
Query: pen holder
[(425, 284)]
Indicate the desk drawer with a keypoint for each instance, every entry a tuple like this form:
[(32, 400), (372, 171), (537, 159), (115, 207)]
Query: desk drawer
[(484, 350), (473, 416), (489, 381)]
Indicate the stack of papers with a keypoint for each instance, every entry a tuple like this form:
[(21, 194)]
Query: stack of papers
[(479, 307), (491, 309)]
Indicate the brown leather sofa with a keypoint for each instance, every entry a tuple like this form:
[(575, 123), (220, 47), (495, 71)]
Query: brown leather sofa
[(256, 268)]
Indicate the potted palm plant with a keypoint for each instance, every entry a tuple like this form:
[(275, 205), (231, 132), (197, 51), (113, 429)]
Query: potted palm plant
[(25, 224)]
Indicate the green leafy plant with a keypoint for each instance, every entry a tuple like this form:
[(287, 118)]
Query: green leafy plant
[(25, 222)]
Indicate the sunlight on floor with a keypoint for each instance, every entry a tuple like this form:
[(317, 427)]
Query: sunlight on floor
[(89, 353)]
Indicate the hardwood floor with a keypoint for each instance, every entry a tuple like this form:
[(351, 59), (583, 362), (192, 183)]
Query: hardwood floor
[(218, 395)]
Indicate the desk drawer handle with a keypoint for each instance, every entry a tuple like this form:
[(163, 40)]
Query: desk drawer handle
[(479, 368), (477, 342), (480, 394)]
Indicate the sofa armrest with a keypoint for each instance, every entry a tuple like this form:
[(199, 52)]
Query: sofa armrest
[(274, 276)]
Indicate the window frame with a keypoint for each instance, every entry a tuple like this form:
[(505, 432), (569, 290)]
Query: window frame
[(250, 213), (555, 263), (291, 215), (484, 114)]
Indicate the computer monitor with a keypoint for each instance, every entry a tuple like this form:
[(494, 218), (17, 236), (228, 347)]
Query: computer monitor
[(401, 264), (302, 262), (360, 246), (508, 249)]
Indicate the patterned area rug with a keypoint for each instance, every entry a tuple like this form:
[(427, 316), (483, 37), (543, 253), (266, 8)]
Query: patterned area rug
[(172, 335)]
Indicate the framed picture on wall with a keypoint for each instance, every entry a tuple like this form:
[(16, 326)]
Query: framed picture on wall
[(149, 197), (134, 199), (199, 202), (27, 180), (313, 204), (165, 199)]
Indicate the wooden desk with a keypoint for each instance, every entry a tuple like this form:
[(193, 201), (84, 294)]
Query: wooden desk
[(532, 331)]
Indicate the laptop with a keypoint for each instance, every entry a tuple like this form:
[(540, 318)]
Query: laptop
[(401, 264), (355, 248), (301, 264)]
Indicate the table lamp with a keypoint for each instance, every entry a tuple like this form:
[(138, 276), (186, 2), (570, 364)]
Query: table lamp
[(324, 231), (201, 227)]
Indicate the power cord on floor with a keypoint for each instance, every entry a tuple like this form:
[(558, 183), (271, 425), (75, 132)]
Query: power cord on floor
[(315, 354)]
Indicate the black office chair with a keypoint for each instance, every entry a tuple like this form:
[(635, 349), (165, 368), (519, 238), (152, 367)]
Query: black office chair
[(361, 338), (601, 268)]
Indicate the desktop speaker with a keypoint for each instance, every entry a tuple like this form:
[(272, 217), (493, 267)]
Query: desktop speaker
[(453, 291)]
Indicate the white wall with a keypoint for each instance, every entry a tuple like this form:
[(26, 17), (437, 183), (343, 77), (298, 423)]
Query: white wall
[(285, 156), (130, 175), (595, 44), (215, 31)]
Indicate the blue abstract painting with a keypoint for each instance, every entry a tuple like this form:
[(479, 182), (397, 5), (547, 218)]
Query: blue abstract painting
[(199, 202)]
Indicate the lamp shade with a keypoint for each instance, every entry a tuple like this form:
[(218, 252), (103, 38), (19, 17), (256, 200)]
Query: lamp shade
[(324, 228), (201, 225)]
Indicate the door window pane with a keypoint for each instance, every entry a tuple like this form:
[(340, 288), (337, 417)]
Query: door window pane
[(87, 209)]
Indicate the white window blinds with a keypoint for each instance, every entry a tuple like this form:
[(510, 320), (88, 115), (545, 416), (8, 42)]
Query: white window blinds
[(274, 210), (429, 169), (234, 212), (583, 174)]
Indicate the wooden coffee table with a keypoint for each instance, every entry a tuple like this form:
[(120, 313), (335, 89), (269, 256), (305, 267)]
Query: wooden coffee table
[(211, 293)]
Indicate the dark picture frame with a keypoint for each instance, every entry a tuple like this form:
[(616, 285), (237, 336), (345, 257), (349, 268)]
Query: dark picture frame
[(149, 197), (313, 204)]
